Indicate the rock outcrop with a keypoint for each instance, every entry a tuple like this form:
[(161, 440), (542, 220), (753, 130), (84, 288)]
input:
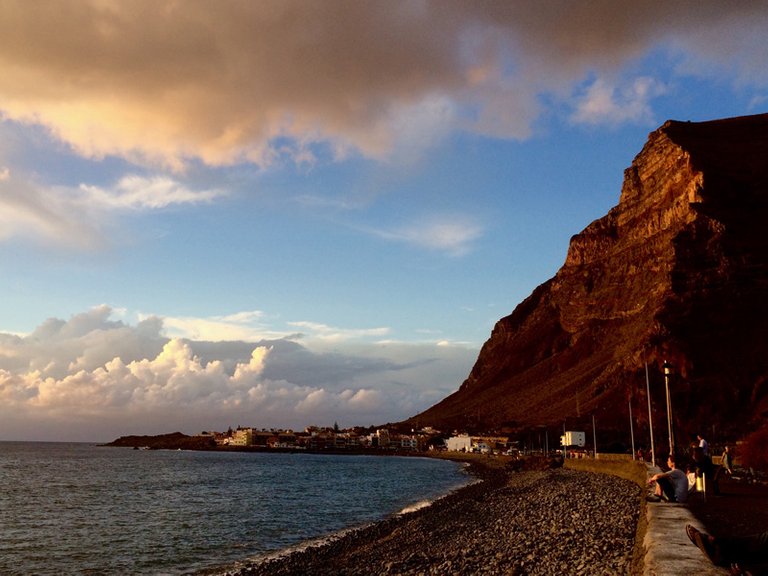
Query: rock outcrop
[(677, 271)]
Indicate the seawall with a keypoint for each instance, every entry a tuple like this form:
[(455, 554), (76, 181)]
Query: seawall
[(661, 545)]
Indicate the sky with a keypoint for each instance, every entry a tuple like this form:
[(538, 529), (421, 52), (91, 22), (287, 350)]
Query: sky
[(289, 213)]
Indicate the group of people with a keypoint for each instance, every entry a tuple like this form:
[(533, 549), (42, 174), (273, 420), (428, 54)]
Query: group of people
[(702, 469), (674, 485)]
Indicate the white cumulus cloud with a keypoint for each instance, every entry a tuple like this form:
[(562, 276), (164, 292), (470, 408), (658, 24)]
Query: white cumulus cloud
[(94, 377)]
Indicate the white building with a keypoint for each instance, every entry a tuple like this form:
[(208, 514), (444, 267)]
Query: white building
[(460, 443)]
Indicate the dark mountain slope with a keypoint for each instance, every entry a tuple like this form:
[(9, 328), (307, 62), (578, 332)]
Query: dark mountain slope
[(677, 271)]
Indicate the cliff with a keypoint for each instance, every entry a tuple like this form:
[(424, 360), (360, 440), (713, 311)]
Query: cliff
[(677, 271)]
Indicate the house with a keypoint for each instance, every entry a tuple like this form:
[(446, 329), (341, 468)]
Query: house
[(481, 447), (460, 443), (382, 435), (242, 437), (409, 443)]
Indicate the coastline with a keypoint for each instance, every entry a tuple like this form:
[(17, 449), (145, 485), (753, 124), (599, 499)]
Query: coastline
[(535, 521)]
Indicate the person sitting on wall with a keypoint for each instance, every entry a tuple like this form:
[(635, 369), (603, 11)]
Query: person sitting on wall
[(671, 485), (690, 473)]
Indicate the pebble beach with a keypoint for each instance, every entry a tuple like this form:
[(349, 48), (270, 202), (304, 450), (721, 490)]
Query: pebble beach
[(537, 522)]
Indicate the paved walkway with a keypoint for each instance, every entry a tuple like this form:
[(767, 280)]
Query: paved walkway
[(668, 551)]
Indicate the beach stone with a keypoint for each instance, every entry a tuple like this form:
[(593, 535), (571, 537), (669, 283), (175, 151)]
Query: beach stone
[(541, 522)]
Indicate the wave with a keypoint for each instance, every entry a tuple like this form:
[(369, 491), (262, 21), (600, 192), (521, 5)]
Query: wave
[(421, 504), (415, 506)]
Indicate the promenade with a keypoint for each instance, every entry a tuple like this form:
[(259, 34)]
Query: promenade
[(662, 541), (668, 551)]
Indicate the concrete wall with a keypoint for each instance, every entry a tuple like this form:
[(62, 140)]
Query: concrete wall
[(622, 466)]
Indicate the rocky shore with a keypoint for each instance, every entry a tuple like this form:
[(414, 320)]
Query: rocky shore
[(553, 521)]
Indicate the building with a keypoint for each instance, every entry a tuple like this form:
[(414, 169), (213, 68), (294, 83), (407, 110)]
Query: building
[(242, 437), (409, 443), (460, 443)]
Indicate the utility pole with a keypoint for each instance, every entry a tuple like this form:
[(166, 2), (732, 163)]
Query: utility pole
[(667, 371), (650, 415), (565, 448), (631, 428)]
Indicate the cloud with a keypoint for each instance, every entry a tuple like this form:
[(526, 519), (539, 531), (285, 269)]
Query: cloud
[(451, 234), (333, 334), (28, 211), (264, 81), (94, 377), (252, 326), (136, 193), (603, 103), (78, 217), (86, 341), (245, 326)]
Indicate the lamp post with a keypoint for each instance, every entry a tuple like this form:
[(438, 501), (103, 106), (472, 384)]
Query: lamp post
[(667, 372)]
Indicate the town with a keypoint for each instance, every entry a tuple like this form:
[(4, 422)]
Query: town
[(315, 438)]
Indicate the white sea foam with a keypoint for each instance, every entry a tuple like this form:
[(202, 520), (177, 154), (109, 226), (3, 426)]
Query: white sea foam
[(415, 506)]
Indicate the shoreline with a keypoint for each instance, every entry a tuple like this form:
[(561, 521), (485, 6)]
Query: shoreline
[(545, 521), (478, 471)]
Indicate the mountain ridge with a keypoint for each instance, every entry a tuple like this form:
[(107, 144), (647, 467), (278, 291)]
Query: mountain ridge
[(676, 272)]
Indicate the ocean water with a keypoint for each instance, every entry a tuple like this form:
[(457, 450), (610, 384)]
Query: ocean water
[(85, 509)]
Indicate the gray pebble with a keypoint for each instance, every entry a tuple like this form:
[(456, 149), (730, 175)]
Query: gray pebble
[(528, 523)]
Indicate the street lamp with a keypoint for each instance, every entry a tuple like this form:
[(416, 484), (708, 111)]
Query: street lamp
[(667, 372)]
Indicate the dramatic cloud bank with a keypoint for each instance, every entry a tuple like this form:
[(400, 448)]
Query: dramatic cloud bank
[(92, 377), (183, 155), (241, 81)]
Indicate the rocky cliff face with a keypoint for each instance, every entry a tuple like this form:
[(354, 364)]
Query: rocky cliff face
[(677, 271)]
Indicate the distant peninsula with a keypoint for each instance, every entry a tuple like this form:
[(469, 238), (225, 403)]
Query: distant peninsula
[(173, 441)]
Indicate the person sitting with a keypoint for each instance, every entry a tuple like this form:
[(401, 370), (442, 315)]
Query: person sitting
[(671, 485), (690, 473)]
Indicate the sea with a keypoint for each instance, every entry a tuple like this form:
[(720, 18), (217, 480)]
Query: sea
[(72, 508)]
